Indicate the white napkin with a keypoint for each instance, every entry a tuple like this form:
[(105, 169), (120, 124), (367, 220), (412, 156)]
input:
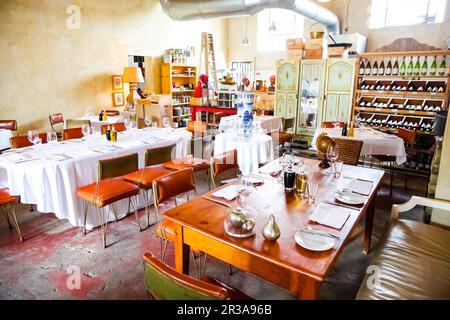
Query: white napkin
[(228, 193), (358, 186), (18, 157), (329, 215), (271, 168), (81, 153)]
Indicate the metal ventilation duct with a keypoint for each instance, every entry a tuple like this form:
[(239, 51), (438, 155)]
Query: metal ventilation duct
[(207, 9)]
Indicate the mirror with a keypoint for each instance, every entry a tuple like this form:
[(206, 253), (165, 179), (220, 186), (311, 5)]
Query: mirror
[(310, 90)]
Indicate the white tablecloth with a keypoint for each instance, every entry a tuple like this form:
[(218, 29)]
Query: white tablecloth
[(96, 124), (4, 138), (52, 184), (374, 142), (268, 123), (250, 153)]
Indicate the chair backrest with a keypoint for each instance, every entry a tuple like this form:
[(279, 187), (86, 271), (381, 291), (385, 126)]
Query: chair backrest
[(197, 127), (173, 184), (330, 125), (8, 125), (55, 119), (419, 201), (155, 156), (76, 123), (349, 150), (22, 141), (112, 112), (118, 126), (72, 133), (116, 167), (164, 283), (224, 162), (408, 136), (219, 115), (288, 123)]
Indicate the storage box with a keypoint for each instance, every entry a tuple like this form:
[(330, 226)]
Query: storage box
[(196, 101), (315, 44), (314, 54), (295, 44), (295, 54), (338, 52)]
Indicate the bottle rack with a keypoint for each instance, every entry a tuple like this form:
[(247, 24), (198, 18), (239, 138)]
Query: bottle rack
[(409, 100)]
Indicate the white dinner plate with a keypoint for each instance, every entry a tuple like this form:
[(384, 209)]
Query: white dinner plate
[(314, 242), (390, 136), (350, 198)]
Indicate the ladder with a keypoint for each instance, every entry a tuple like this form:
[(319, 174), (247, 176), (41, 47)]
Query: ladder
[(207, 53)]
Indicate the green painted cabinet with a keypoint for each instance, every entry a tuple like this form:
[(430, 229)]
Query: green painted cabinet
[(287, 89)]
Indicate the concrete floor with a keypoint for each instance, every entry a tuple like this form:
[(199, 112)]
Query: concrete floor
[(37, 268)]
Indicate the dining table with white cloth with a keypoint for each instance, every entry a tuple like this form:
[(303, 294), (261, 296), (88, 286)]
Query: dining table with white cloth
[(96, 124), (374, 142), (268, 123), (48, 175), (4, 139), (255, 150)]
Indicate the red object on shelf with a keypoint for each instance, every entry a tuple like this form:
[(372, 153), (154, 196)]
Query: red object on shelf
[(195, 109), (198, 90)]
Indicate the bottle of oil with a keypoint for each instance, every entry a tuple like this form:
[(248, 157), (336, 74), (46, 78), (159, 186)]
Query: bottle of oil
[(301, 181), (105, 115), (113, 134), (108, 133), (351, 130)]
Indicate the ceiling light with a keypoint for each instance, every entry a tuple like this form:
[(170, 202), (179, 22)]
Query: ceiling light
[(273, 27), (246, 41)]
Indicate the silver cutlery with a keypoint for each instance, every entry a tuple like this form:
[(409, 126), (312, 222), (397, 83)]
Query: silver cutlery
[(318, 233), (340, 205), (26, 160), (218, 201), (355, 192), (359, 179)]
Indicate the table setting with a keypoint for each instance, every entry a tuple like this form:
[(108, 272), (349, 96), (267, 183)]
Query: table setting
[(4, 138)]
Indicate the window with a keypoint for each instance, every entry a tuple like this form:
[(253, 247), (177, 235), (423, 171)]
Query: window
[(390, 13), (275, 26), (241, 68)]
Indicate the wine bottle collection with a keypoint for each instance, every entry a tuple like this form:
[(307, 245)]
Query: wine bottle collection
[(412, 66)]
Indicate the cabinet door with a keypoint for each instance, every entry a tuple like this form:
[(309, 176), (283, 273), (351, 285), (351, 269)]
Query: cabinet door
[(331, 107), (287, 85)]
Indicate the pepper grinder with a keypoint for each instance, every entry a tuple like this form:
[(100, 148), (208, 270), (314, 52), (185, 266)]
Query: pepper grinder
[(271, 231)]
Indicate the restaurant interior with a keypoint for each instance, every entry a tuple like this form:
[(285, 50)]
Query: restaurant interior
[(224, 150)]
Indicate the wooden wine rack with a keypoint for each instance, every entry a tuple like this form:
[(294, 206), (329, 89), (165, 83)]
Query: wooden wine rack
[(393, 103)]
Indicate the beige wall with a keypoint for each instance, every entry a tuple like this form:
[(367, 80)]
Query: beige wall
[(47, 68)]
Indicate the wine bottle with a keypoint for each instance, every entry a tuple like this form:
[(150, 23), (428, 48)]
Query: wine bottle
[(428, 162), (409, 70), (100, 116), (417, 67), (388, 69), (442, 67), (375, 68), (108, 133), (395, 68), (420, 162), (402, 70), (424, 67), (362, 67), (433, 67), (344, 130), (381, 68), (368, 68)]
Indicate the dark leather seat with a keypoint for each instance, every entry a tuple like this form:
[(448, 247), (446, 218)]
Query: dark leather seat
[(413, 263)]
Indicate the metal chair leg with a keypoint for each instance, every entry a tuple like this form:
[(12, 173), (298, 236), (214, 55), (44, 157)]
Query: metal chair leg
[(136, 214), (6, 218), (102, 225), (114, 210), (85, 210), (15, 222), (231, 270)]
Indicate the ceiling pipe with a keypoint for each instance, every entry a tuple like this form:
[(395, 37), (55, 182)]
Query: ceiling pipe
[(208, 9)]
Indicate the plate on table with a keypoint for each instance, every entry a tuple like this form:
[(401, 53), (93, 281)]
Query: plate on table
[(314, 242), (350, 198), (391, 136)]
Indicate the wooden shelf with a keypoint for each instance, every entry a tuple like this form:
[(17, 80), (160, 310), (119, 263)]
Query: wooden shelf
[(403, 94), (406, 53), (395, 111), (181, 91), (181, 104), (394, 130), (182, 76), (182, 116), (398, 77)]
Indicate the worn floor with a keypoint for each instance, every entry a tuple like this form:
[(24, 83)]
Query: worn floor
[(41, 267)]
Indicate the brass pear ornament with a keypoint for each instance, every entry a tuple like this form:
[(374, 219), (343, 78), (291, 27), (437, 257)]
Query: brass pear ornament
[(271, 231)]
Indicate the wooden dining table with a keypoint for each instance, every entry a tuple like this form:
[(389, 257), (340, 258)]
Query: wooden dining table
[(200, 224)]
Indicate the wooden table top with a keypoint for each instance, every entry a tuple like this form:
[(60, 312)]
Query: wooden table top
[(290, 211)]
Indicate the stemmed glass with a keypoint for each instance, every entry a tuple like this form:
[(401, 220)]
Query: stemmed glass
[(336, 124), (52, 138), (147, 121), (33, 135), (86, 131), (244, 190), (332, 154), (165, 122), (128, 124)]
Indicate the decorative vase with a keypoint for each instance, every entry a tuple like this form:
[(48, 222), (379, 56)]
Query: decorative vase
[(271, 231)]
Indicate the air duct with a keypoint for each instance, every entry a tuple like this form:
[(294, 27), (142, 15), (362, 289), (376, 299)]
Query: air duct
[(208, 9)]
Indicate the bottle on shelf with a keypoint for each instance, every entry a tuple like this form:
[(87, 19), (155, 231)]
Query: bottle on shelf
[(264, 87), (100, 116), (424, 67), (417, 67), (402, 70), (395, 68), (388, 70), (410, 69), (362, 67), (344, 130), (368, 68), (381, 69), (375, 68), (433, 67), (442, 67)]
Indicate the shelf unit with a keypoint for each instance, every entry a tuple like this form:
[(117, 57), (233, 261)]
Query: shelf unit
[(178, 81), (227, 95), (400, 101)]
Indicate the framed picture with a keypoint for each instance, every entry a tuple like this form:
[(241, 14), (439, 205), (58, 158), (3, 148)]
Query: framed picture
[(117, 82), (118, 99)]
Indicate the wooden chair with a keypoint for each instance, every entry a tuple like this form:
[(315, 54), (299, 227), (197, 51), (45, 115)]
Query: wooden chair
[(8, 210), (118, 126), (164, 283), (55, 119), (72, 133), (349, 150), (330, 125), (76, 123), (112, 113), (154, 168), (8, 125), (223, 163), (284, 135), (197, 128), (110, 188), (22, 141)]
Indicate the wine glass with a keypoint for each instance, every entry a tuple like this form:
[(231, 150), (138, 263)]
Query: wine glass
[(128, 124), (85, 130), (166, 122), (33, 135), (52, 138), (332, 154), (147, 121), (336, 124)]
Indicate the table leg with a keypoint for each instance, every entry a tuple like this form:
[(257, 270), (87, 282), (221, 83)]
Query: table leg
[(370, 215), (181, 252), (308, 289), (193, 112)]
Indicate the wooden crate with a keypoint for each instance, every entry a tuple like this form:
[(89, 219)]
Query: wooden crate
[(295, 54), (294, 44), (315, 44), (338, 52), (313, 54)]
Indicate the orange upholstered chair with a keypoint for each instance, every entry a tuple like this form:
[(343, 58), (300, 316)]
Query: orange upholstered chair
[(112, 112), (119, 127), (72, 133), (56, 119), (222, 163), (22, 141), (8, 210), (8, 125)]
